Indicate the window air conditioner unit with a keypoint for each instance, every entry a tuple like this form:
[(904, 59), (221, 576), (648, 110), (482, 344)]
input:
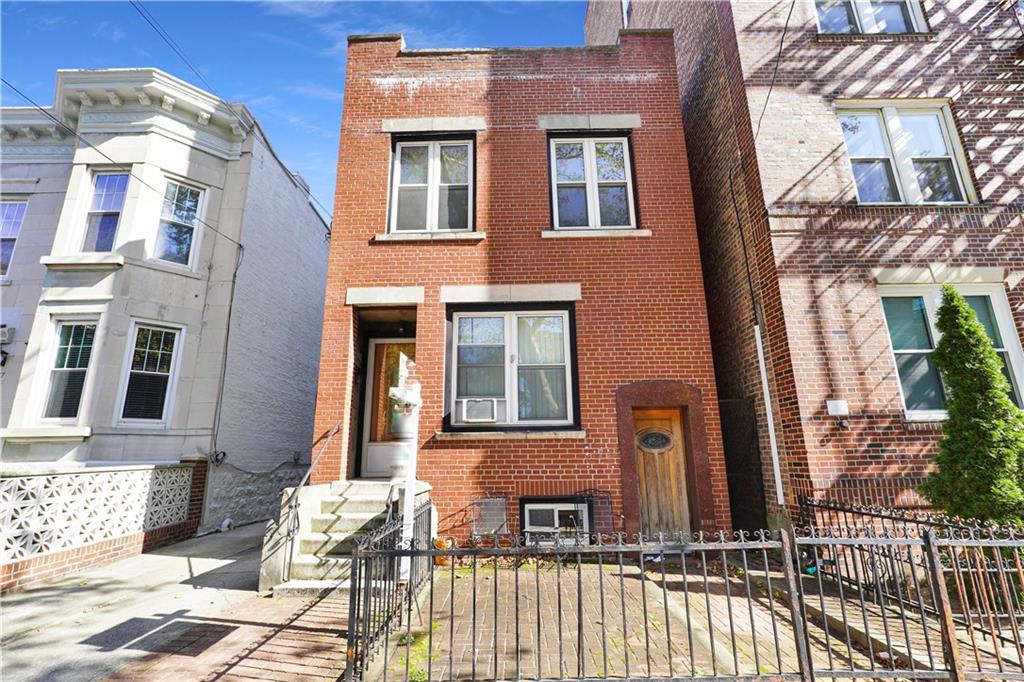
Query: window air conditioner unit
[(6, 334), (479, 410)]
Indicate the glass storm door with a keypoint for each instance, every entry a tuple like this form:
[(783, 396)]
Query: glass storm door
[(383, 424)]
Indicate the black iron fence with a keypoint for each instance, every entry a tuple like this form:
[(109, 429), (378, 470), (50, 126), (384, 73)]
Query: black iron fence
[(901, 602)]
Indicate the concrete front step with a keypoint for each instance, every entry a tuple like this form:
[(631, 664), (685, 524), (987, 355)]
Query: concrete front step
[(342, 522), (334, 504), (308, 588), (312, 567), (329, 543)]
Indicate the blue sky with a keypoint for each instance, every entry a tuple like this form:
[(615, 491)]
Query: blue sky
[(284, 60)]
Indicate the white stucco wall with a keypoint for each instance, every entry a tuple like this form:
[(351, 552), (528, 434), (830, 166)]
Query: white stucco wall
[(273, 357)]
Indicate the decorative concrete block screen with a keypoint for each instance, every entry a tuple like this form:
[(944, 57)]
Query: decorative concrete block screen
[(52, 512)]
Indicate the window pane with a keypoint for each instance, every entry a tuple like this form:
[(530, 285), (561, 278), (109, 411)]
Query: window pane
[(181, 204), (908, 324), (922, 389), (108, 192), (569, 162), (482, 330), (614, 205), (923, 134), (982, 307), (892, 17), (480, 382), (863, 133), (6, 251), (453, 208), (1005, 357), (572, 207), (412, 208), (836, 17), (174, 242), (12, 213), (544, 518), (482, 355), (99, 234), (541, 340), (455, 164), (570, 519), (145, 396), (610, 162), (542, 393), (937, 180), (414, 165), (875, 181), (65, 394)]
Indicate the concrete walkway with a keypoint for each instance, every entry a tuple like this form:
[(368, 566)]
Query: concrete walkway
[(87, 626)]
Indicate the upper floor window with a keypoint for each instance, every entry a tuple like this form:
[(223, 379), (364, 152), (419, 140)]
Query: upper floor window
[(911, 313), (105, 210), (70, 366), (179, 221), (511, 368), (432, 186), (12, 213), (870, 16), (905, 154), (591, 183)]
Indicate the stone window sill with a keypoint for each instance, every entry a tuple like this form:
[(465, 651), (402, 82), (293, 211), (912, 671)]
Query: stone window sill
[(431, 237), (53, 434), (594, 234), (566, 434), (84, 261)]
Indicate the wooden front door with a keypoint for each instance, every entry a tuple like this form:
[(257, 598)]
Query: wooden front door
[(661, 471)]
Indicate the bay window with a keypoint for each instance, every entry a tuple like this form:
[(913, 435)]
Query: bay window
[(70, 367), (591, 183), (511, 368), (911, 313), (905, 154), (108, 192), (432, 186), (179, 222)]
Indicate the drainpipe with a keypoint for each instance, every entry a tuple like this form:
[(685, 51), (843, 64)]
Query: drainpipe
[(769, 417)]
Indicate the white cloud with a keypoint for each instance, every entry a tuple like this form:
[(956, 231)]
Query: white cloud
[(316, 91), (107, 30)]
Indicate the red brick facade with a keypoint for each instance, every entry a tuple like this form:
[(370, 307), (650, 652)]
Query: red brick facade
[(641, 315), (817, 258), (24, 573)]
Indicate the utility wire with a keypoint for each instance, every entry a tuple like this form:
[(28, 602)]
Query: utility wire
[(178, 50), (35, 105), (775, 72)]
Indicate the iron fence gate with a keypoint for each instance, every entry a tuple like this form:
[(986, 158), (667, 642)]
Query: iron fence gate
[(829, 603)]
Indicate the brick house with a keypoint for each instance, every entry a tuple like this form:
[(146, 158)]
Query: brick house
[(562, 346), (885, 162)]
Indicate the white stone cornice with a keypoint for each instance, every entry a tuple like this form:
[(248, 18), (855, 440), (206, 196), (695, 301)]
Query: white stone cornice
[(30, 133), (143, 97), (203, 118), (168, 103), (236, 130), (6, 134), (114, 98), (84, 99), (56, 132)]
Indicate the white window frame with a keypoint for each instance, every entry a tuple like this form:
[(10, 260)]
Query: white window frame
[(580, 507), (511, 397), (433, 184), (907, 187), (931, 294), (24, 202), (591, 182), (864, 18), (197, 230), (172, 378), (56, 323), (93, 174)]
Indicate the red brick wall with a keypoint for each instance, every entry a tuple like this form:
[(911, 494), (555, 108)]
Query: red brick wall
[(642, 313), (19, 575), (815, 248)]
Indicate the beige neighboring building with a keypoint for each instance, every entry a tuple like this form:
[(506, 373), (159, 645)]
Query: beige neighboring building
[(162, 295)]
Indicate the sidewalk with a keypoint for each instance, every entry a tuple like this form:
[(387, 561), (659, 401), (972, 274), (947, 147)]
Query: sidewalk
[(190, 610)]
